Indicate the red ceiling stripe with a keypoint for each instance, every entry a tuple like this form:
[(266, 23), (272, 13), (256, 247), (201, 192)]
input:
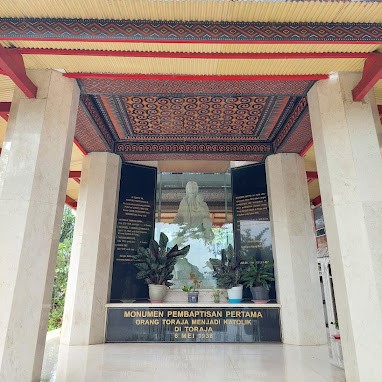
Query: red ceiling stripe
[(74, 174), (207, 55)]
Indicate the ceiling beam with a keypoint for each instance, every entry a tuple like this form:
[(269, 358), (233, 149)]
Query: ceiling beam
[(196, 55), (312, 175), (12, 65), (74, 174), (178, 77), (5, 108), (372, 72), (306, 148), (70, 202), (316, 201), (79, 146)]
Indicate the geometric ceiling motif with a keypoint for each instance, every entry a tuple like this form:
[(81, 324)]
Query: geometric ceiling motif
[(195, 115), (144, 30), (193, 119), (141, 86)]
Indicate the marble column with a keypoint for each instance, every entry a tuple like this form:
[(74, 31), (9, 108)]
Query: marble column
[(349, 165), (33, 177), (294, 251), (92, 251)]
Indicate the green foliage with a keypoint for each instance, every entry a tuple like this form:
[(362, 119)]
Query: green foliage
[(67, 225), (228, 269), (156, 263), (258, 274), (62, 270)]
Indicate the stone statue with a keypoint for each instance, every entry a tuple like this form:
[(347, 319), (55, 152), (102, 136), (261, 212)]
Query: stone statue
[(193, 211)]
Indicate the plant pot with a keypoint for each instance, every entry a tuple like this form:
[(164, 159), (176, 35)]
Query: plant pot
[(260, 295), (157, 292), (235, 294), (193, 297)]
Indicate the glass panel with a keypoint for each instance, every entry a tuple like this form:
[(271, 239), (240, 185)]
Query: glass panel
[(195, 209)]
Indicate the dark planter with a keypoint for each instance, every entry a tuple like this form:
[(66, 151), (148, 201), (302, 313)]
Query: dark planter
[(260, 295), (193, 297)]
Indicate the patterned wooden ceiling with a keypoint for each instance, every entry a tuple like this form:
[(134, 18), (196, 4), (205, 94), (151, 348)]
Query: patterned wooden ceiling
[(193, 119)]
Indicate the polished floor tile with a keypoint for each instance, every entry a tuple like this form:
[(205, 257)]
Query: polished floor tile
[(188, 362)]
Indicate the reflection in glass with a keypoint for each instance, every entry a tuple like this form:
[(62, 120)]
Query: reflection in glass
[(195, 209), (201, 250)]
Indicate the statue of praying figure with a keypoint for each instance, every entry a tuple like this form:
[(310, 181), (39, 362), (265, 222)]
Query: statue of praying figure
[(193, 212)]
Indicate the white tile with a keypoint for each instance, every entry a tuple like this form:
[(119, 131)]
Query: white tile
[(144, 362)]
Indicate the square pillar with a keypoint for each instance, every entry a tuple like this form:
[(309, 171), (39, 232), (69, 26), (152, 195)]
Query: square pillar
[(294, 250), (33, 178), (349, 165), (92, 251)]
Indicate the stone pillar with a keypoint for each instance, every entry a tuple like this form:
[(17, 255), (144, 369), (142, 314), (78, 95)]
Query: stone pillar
[(92, 251), (350, 170), (33, 177), (294, 251)]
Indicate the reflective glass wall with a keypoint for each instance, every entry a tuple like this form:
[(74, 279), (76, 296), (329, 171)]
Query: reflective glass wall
[(195, 209)]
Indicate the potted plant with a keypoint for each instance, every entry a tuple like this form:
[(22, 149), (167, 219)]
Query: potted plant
[(227, 272), (216, 293), (257, 276), (193, 294), (155, 265)]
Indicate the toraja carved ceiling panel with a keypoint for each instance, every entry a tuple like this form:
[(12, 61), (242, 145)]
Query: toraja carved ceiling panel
[(193, 119), (127, 30), (195, 115)]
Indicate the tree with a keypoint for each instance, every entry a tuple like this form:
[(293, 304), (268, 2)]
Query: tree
[(62, 270)]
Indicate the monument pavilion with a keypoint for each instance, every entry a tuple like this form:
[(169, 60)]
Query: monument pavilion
[(190, 86)]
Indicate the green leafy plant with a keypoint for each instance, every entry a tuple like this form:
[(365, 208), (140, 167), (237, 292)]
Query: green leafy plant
[(258, 274), (156, 263), (195, 284), (62, 270), (227, 270), (219, 292)]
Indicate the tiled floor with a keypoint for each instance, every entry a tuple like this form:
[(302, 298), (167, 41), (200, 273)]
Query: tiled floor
[(188, 362)]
